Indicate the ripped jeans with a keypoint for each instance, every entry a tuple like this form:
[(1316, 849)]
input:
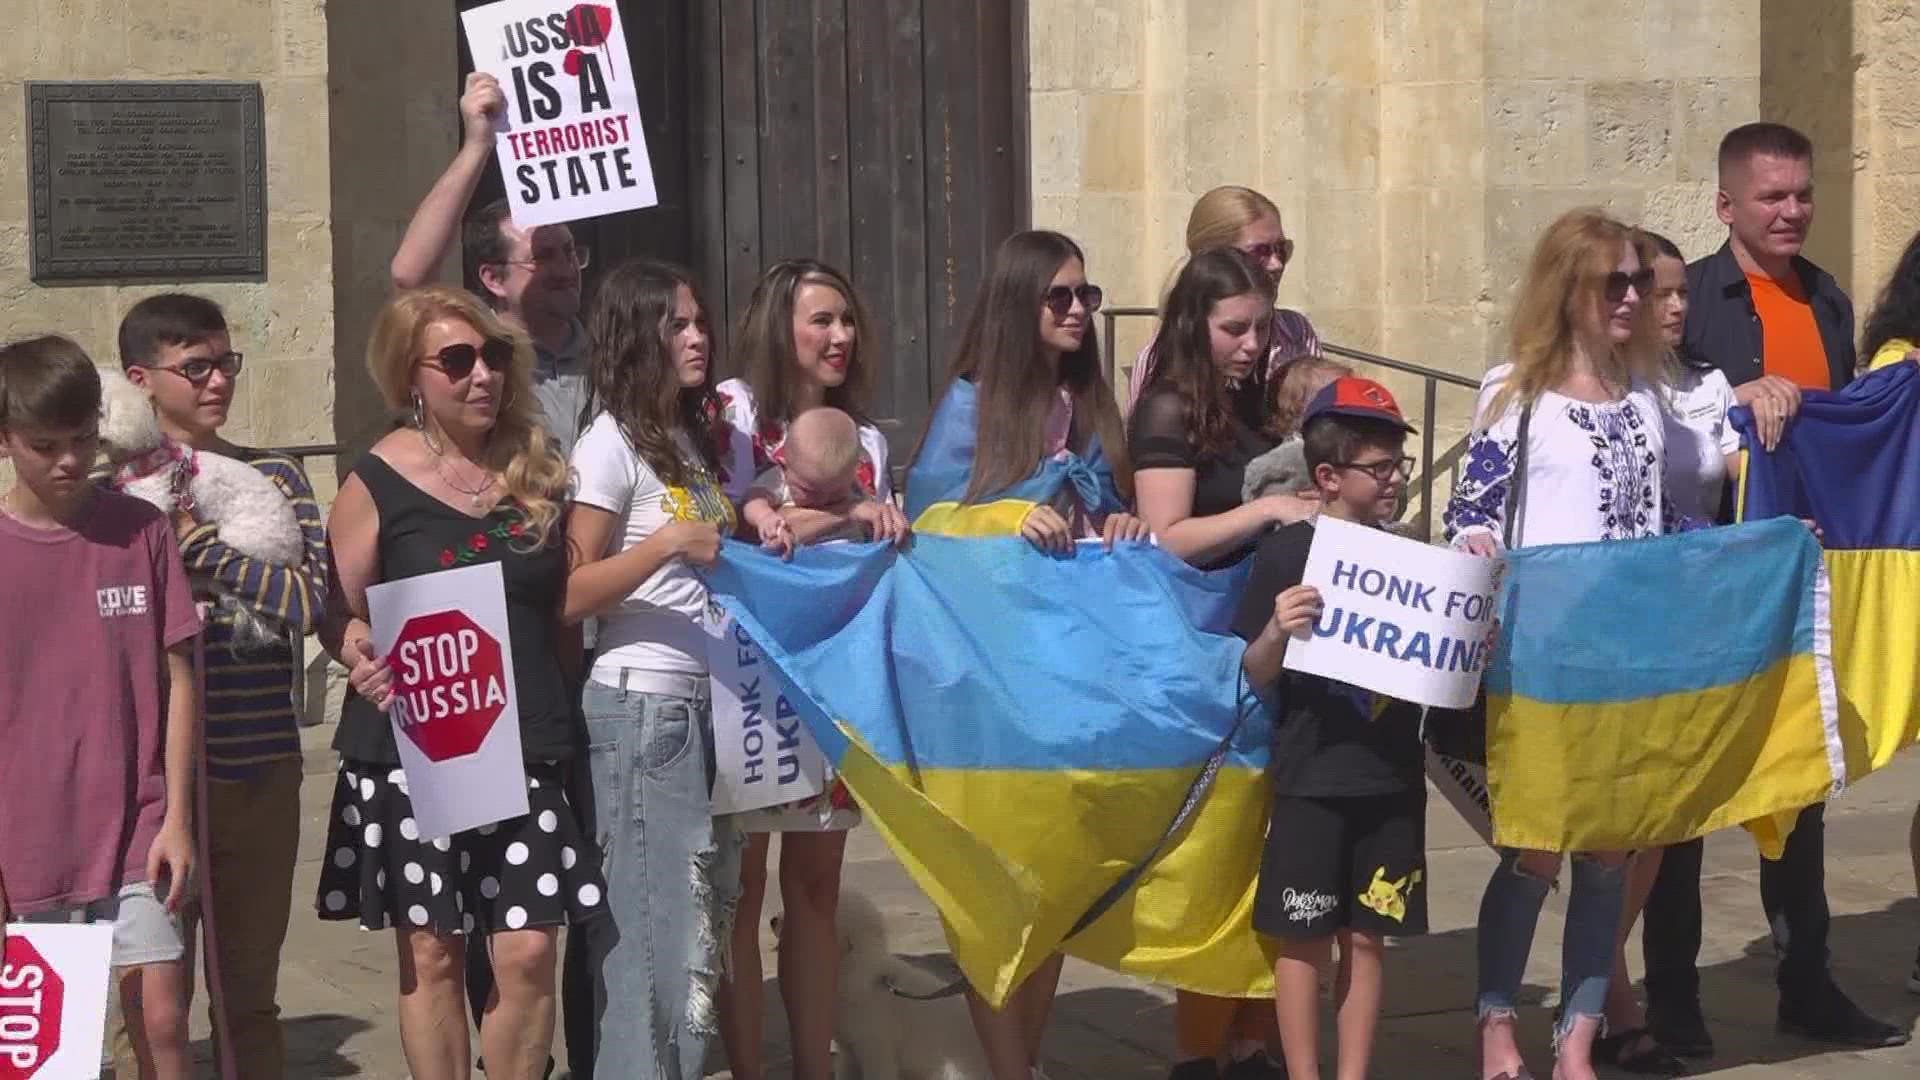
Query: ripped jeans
[(1508, 913), (672, 873)]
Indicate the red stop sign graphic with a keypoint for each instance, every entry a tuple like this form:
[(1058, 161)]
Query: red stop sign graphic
[(452, 684), (32, 996)]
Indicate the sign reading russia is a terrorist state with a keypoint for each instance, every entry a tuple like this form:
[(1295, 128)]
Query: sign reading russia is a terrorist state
[(456, 720), (1397, 616), (571, 145)]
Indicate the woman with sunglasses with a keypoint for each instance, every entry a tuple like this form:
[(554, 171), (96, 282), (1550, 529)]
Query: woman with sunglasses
[(1583, 391), (1024, 436), (800, 345), (1242, 218), (1190, 449), (648, 508), (471, 478)]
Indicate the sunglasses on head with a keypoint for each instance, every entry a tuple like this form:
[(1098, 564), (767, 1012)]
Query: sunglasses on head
[(1260, 253), (456, 361), (200, 369), (1618, 282), (1060, 298)]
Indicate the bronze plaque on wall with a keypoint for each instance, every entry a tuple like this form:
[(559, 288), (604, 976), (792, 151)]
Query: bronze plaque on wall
[(133, 180)]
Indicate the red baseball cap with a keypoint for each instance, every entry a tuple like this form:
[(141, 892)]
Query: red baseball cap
[(1353, 396)]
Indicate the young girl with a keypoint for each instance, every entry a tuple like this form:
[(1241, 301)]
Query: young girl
[(647, 509), (1189, 447), (471, 479), (800, 346), (1026, 439), (1583, 390)]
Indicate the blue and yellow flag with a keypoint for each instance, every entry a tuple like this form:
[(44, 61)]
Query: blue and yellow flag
[(1850, 461), (1022, 729), (1695, 667), (937, 483)]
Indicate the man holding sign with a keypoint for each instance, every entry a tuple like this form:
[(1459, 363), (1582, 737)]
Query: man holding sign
[(1346, 846)]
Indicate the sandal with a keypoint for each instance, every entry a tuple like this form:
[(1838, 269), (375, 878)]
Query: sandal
[(1637, 1051)]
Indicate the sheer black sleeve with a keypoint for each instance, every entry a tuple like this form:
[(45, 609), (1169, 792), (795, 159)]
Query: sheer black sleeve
[(1157, 436)]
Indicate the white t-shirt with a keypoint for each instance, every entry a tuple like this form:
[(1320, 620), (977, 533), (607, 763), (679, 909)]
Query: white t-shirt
[(1699, 438), (1593, 469), (752, 451), (658, 626)]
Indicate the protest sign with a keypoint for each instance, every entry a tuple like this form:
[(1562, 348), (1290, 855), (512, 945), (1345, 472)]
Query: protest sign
[(1464, 785), (455, 718), (764, 755), (53, 999), (571, 145), (1398, 616)]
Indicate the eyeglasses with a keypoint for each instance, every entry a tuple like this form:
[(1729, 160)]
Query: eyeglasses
[(1617, 283), (456, 361), (577, 257), (1260, 253), (1383, 472), (200, 369), (1060, 298)]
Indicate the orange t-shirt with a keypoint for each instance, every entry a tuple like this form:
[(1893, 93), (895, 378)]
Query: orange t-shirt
[(1791, 345)]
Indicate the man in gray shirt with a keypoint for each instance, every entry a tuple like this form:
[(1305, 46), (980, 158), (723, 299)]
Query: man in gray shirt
[(529, 276)]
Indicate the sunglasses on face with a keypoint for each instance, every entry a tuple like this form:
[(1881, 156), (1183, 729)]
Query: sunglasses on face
[(456, 361), (1060, 298), (1384, 472), (1618, 282), (1260, 253), (200, 369)]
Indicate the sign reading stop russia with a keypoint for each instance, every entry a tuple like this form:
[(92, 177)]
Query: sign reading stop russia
[(452, 684), (32, 1001)]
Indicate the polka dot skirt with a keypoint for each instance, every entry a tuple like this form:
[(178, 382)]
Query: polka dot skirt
[(535, 870)]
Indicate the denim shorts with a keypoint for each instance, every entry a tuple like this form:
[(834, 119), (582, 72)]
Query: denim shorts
[(144, 931)]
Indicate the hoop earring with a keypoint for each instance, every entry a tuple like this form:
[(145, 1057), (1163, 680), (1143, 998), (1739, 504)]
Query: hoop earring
[(420, 424)]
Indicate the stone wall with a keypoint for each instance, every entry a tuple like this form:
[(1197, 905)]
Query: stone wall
[(284, 324)]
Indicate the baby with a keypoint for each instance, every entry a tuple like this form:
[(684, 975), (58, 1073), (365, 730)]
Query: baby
[(821, 473), (1283, 470)]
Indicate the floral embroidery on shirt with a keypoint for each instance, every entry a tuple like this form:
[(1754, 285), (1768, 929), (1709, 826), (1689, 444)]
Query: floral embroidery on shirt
[(1626, 463), (474, 546), (1480, 497)]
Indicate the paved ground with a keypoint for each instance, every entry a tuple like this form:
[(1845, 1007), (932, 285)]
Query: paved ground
[(338, 983)]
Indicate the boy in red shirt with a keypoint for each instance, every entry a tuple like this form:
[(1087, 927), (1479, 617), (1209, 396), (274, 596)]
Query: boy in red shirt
[(97, 699)]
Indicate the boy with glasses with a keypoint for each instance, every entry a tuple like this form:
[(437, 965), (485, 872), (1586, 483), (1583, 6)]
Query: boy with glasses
[(177, 349)]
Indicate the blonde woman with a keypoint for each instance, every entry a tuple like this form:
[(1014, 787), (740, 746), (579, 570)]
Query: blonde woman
[(471, 478), (1568, 446), (1240, 217)]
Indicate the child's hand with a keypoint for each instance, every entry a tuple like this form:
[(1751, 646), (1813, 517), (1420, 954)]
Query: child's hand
[(882, 520), (1295, 611), (369, 676), (777, 536), (170, 859)]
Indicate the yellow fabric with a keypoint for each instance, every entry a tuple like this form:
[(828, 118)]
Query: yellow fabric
[(1002, 517), (1689, 763), (1201, 890), (1876, 652), (1892, 352)]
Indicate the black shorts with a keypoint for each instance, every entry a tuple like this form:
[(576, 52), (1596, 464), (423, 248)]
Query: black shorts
[(1355, 863)]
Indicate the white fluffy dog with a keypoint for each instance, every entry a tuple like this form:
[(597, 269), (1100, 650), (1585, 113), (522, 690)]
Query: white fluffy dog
[(882, 1035), (253, 517)]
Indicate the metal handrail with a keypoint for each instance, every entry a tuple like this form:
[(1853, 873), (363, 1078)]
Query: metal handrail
[(1448, 460)]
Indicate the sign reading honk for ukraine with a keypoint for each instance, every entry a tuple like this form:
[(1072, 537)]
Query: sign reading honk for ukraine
[(1397, 616)]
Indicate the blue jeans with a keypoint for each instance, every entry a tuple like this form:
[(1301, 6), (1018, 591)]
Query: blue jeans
[(1508, 913), (672, 876)]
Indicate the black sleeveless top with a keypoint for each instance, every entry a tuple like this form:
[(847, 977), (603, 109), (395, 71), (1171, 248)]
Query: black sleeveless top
[(419, 534)]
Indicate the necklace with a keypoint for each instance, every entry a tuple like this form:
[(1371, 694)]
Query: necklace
[(476, 497)]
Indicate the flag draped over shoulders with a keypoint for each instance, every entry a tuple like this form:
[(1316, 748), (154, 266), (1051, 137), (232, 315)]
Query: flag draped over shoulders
[(1649, 691), (1850, 461)]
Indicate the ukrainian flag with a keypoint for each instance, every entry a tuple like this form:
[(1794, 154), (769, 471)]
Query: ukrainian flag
[(1022, 728), (1851, 462), (1694, 667)]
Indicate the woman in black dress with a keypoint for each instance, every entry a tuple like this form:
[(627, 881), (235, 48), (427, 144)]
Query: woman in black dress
[(471, 478)]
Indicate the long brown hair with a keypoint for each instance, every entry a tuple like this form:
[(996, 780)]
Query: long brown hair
[(1002, 355), (1567, 274), (763, 349), (1181, 357), (630, 372), (518, 448)]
